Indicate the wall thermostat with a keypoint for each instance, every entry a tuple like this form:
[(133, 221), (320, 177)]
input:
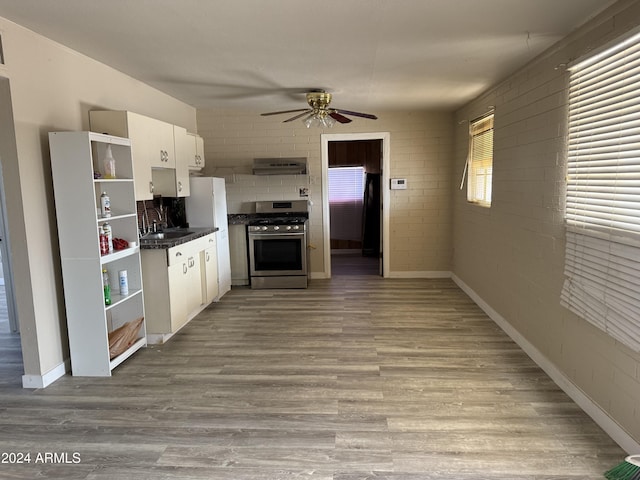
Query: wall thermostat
[(398, 184)]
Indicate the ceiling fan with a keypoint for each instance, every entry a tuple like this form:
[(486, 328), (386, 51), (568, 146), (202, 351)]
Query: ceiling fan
[(320, 115)]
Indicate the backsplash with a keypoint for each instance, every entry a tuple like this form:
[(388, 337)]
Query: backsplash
[(165, 211), (243, 190)]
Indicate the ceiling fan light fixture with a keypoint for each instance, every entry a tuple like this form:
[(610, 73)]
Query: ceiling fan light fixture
[(319, 114), (319, 119)]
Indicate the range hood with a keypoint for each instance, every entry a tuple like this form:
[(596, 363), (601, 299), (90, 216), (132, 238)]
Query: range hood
[(280, 166)]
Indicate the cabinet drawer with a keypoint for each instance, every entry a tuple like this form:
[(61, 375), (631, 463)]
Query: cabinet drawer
[(180, 253)]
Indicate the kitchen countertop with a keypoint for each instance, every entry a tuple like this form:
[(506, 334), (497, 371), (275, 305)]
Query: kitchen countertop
[(240, 218), (172, 242)]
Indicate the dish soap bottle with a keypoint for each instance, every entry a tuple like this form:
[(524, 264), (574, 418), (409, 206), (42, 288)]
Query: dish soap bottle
[(109, 164), (106, 286)]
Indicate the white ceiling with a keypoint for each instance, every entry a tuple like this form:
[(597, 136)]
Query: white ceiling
[(262, 54)]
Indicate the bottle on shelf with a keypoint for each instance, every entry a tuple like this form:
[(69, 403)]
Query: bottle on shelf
[(106, 229), (104, 243), (105, 205), (106, 286), (109, 163), (124, 282)]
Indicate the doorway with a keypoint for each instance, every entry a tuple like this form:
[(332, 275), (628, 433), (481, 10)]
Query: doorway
[(10, 346), (355, 171)]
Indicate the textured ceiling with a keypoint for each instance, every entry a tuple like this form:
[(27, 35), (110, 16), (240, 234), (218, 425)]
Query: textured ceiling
[(262, 54)]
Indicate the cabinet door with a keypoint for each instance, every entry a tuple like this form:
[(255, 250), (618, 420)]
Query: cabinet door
[(193, 284), (178, 274), (196, 155), (210, 275), (162, 149), (199, 160), (183, 149), (191, 153)]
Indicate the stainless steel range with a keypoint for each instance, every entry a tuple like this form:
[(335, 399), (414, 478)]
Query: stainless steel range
[(278, 244)]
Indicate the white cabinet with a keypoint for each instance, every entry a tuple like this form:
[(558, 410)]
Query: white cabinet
[(182, 143), (181, 282), (239, 254), (174, 182), (162, 150), (159, 151), (196, 152), (209, 261), (75, 158)]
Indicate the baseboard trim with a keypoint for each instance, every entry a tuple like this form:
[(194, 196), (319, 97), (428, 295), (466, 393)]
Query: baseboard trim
[(42, 381), (318, 275), (421, 274), (403, 274), (613, 429)]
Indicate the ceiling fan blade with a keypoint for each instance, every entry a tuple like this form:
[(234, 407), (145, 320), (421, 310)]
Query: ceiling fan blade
[(339, 118), (356, 114), (306, 112), (284, 111)]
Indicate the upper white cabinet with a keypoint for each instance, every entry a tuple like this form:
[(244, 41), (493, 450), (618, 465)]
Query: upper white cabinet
[(162, 150), (76, 157), (138, 129), (196, 152), (158, 149), (174, 182)]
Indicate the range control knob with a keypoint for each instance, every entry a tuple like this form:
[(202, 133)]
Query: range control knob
[(288, 227), (296, 227), (264, 227), (276, 227)]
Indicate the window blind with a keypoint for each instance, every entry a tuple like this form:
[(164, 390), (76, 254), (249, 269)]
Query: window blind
[(481, 161), (602, 260), (346, 184), (346, 199)]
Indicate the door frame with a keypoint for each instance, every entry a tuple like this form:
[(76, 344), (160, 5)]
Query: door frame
[(325, 138), (5, 245)]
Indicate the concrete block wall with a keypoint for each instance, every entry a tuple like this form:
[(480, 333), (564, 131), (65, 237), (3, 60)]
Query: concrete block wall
[(512, 254), (420, 222)]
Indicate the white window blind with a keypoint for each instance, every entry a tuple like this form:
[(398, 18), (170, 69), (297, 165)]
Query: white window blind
[(480, 161), (346, 199), (346, 184), (602, 261)]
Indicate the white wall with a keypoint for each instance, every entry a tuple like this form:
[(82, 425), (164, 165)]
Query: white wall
[(53, 88), (512, 255), (420, 223)]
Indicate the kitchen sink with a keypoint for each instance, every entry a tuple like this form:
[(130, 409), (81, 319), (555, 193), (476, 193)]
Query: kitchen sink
[(168, 235)]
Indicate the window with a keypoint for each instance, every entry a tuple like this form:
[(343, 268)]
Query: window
[(602, 260), (346, 199), (480, 163), (346, 184)]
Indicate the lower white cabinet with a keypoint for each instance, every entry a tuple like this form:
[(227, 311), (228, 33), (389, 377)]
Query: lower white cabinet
[(238, 250), (182, 281), (209, 261)]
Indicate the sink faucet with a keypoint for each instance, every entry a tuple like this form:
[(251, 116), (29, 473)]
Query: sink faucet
[(145, 220), (161, 217)]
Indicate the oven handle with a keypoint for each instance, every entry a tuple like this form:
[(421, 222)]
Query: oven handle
[(275, 235)]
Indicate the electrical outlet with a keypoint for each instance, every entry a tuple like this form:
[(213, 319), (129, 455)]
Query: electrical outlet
[(304, 192)]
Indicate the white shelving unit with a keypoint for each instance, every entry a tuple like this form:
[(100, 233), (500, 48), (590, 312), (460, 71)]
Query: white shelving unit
[(75, 156)]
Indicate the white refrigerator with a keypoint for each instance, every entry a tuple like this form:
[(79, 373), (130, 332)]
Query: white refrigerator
[(206, 206)]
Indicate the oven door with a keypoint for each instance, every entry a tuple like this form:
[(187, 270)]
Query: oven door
[(277, 254)]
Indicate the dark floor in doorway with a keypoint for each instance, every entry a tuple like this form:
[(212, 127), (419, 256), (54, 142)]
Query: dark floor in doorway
[(354, 264)]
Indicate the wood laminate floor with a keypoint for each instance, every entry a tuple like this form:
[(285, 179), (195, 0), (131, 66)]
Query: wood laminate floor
[(354, 264), (353, 378)]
